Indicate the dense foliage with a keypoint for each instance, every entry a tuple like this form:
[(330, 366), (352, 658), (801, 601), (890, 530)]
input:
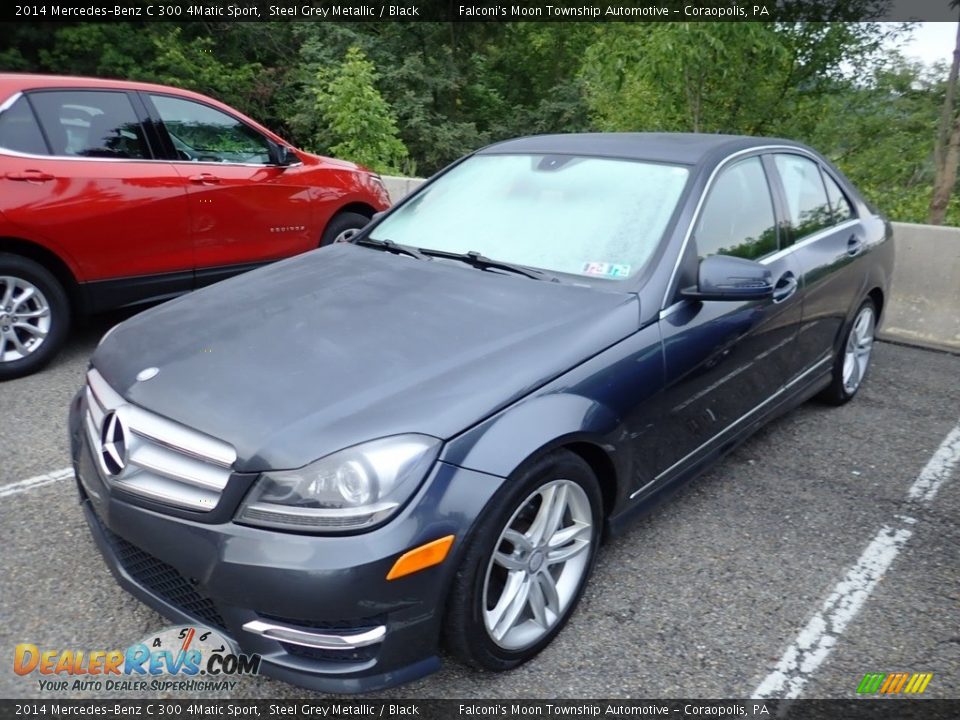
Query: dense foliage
[(411, 97)]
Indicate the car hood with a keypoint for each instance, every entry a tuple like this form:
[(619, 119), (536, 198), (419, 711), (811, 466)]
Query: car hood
[(347, 344)]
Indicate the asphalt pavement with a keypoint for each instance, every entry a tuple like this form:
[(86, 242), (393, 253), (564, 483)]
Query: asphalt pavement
[(770, 553)]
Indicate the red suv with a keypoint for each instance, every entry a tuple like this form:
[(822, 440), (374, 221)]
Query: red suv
[(118, 193)]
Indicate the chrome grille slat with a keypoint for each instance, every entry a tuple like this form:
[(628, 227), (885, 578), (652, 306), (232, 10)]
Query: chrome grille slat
[(94, 407), (179, 449), (93, 434), (170, 492), (161, 460), (176, 436), (165, 461), (105, 395)]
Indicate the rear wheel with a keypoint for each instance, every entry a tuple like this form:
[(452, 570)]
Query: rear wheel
[(340, 224), (527, 565), (852, 362), (34, 316)]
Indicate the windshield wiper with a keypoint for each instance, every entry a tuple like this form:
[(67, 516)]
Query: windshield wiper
[(390, 246), (475, 259)]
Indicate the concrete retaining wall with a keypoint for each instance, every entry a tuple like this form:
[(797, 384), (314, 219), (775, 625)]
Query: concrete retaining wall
[(398, 187), (924, 304)]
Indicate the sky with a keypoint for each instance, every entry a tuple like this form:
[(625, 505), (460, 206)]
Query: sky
[(931, 41)]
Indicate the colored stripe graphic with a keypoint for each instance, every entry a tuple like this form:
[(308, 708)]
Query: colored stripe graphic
[(898, 686), (894, 683), (925, 679), (870, 683), (891, 678)]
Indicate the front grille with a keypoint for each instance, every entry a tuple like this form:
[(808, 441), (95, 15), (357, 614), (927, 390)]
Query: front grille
[(151, 456), (163, 580)]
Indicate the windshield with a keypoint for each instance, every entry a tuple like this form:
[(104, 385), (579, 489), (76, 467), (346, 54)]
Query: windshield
[(595, 217)]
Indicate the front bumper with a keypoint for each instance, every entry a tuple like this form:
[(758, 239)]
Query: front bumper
[(288, 589)]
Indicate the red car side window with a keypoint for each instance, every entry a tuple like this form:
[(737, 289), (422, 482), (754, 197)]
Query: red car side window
[(201, 133), (19, 130), (89, 123)]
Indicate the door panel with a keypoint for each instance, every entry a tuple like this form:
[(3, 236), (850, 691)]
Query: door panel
[(242, 208), (828, 240), (99, 196), (723, 359)]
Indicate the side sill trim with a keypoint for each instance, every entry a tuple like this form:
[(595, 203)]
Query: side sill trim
[(732, 425)]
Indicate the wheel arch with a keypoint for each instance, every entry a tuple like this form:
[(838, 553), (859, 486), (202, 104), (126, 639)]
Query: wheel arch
[(603, 467), (360, 208), (876, 294), (507, 443), (51, 261)]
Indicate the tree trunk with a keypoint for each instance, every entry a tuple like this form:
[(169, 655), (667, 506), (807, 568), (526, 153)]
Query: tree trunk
[(946, 115), (945, 162), (943, 186)]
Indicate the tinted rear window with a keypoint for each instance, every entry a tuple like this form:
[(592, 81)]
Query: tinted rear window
[(19, 130), (90, 123)]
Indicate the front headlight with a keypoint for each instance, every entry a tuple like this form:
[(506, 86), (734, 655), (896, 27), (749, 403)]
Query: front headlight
[(349, 490)]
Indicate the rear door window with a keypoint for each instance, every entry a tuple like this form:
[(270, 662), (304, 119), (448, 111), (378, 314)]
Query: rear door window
[(738, 218), (19, 130), (90, 123), (806, 196), (839, 204)]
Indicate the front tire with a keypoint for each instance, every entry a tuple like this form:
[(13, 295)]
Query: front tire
[(340, 224), (34, 316), (853, 360), (527, 564)]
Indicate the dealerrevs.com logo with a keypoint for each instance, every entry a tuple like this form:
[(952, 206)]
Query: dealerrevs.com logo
[(175, 659)]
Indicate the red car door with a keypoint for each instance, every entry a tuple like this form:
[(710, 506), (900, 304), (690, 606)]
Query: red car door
[(93, 191), (243, 209)]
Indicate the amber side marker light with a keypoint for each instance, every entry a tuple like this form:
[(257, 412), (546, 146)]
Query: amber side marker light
[(420, 558)]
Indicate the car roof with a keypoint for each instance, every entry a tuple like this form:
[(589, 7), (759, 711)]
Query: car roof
[(12, 82), (682, 148)]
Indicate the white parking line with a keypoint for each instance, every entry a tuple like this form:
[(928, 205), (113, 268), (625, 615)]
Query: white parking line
[(814, 643), (35, 482), (937, 469)]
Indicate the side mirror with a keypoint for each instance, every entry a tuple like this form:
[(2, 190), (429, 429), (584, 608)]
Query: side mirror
[(724, 277), (282, 155)]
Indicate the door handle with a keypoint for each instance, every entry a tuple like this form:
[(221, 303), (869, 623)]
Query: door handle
[(854, 245), (30, 176), (786, 286), (204, 179)]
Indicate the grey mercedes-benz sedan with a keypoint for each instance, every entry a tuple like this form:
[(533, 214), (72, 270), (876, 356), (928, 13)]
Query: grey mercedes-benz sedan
[(421, 435)]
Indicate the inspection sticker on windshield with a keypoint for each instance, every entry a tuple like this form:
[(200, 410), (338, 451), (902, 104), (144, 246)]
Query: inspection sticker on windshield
[(610, 270)]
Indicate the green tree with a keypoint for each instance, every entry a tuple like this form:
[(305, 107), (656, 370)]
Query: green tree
[(880, 133), (361, 125), (195, 64), (751, 78)]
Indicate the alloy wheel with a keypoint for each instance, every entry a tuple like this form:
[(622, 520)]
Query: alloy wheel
[(538, 564), (24, 318), (857, 353)]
